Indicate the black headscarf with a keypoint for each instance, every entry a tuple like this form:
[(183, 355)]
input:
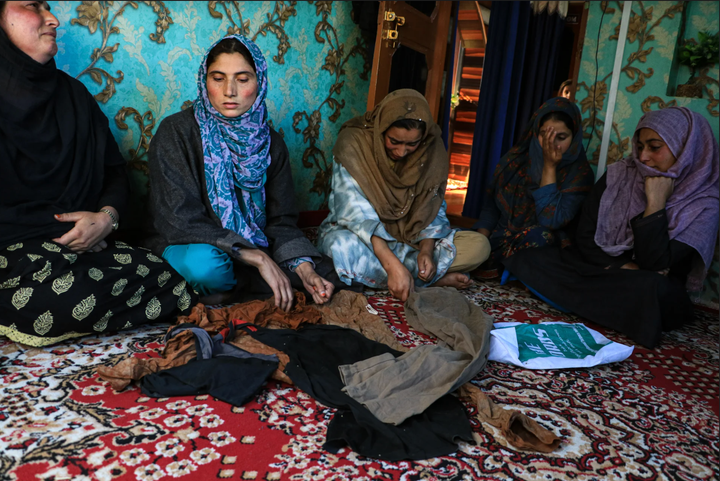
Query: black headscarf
[(55, 147)]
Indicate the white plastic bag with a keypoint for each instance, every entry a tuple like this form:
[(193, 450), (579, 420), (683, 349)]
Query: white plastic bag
[(553, 345)]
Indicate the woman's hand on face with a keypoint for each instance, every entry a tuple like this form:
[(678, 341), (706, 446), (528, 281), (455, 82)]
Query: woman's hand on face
[(552, 155), (400, 282), (89, 231), (426, 266), (321, 289), (273, 275)]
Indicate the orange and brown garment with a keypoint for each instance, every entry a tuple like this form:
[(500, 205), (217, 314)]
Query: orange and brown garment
[(347, 309)]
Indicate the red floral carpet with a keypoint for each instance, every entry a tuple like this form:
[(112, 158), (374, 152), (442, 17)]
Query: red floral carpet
[(653, 416)]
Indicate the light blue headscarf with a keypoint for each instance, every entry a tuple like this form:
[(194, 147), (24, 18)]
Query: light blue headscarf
[(237, 154)]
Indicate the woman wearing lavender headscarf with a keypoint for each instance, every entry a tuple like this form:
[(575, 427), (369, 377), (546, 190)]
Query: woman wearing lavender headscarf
[(646, 234), (222, 196)]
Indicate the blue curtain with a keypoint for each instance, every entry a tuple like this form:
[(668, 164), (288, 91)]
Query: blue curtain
[(520, 60), (541, 58)]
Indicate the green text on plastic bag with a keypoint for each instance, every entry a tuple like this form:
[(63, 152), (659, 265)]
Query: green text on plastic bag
[(555, 340)]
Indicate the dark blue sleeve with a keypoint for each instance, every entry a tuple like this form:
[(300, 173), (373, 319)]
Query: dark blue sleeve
[(556, 207)]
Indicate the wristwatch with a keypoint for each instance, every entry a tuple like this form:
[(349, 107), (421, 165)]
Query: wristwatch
[(114, 219)]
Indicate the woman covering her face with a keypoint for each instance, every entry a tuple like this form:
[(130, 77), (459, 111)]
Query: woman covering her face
[(387, 225), (222, 192), (539, 185), (646, 234), (64, 191)]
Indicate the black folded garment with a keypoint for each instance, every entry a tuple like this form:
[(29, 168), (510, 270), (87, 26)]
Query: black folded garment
[(315, 353), (222, 370), (230, 379)]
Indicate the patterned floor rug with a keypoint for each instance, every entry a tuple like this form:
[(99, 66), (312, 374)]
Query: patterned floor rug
[(651, 417)]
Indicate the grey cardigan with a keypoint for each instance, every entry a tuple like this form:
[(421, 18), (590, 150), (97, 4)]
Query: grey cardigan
[(181, 210)]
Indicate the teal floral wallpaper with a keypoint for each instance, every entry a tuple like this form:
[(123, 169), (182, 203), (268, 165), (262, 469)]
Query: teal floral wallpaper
[(140, 60), (645, 75)]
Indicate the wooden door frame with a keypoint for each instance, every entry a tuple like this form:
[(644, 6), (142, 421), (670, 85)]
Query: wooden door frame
[(382, 62)]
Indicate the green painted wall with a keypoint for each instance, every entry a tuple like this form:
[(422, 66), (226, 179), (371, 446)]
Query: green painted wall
[(141, 60)]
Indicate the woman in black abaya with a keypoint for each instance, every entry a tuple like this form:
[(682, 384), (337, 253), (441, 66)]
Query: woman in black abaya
[(64, 190)]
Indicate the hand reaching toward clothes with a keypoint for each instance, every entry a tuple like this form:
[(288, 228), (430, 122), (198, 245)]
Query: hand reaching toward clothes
[(400, 282), (89, 231), (321, 289), (273, 275)]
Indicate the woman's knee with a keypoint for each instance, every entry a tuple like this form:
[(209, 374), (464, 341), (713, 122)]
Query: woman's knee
[(472, 249), (206, 268)]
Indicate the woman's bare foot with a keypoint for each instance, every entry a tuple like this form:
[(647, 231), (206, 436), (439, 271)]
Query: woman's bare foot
[(458, 280)]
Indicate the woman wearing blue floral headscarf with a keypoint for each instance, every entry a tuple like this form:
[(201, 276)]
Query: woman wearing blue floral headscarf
[(222, 190)]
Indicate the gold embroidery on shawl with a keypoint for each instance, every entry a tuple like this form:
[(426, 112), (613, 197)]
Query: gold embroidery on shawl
[(178, 290), (84, 308), (153, 258), (118, 287), (184, 301), (123, 258), (152, 311), (102, 323), (10, 283), (95, 274), (135, 299), (163, 278), (63, 283), (51, 247), (21, 297), (43, 323), (43, 274)]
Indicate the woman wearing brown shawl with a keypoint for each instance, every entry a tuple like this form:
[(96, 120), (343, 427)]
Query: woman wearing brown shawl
[(387, 225)]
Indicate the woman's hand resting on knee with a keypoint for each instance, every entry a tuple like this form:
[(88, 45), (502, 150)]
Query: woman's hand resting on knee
[(273, 275), (89, 232), (321, 289)]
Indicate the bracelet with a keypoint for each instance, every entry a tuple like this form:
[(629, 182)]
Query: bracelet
[(115, 223)]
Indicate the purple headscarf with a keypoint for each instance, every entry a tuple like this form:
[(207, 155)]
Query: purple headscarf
[(692, 208), (237, 153)]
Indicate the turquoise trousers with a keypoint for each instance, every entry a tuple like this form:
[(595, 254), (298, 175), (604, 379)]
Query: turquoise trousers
[(206, 268)]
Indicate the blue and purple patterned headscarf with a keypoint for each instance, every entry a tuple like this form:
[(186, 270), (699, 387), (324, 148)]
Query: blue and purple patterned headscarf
[(237, 154)]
